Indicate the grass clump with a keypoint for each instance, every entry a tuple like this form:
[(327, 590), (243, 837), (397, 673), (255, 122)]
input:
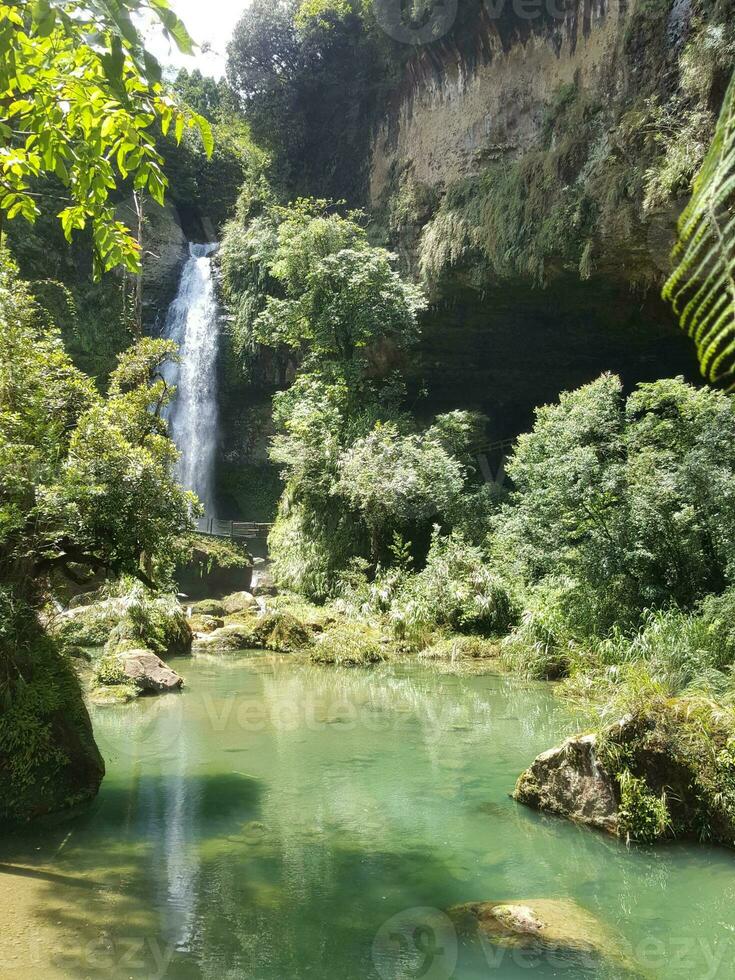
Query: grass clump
[(460, 647), (154, 623), (349, 645)]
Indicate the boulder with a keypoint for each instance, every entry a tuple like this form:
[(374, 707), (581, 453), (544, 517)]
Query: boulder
[(205, 624), (239, 602), (571, 781), (543, 924), (148, 672), (228, 638), (208, 607), (640, 780)]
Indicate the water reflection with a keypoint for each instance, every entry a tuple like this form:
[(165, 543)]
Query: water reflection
[(270, 821)]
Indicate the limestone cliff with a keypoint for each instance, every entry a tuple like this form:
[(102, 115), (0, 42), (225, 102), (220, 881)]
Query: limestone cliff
[(530, 168)]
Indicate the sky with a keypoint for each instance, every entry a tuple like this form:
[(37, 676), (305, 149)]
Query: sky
[(208, 21)]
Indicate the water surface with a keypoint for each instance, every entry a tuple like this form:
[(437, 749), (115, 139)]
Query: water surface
[(280, 821)]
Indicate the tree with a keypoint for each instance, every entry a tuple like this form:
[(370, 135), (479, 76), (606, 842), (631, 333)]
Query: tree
[(629, 500), (79, 99), (314, 285), (85, 482), (304, 71), (398, 483)]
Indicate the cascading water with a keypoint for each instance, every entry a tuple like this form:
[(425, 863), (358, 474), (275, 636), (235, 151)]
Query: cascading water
[(193, 322)]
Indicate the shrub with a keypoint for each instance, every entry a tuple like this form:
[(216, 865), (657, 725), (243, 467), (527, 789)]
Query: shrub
[(631, 499), (349, 645), (642, 816), (109, 671), (456, 589), (155, 623)]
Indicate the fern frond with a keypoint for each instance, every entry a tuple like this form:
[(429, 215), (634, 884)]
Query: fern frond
[(702, 286)]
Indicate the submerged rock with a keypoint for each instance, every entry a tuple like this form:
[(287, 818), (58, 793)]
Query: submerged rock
[(148, 672), (571, 781), (540, 924)]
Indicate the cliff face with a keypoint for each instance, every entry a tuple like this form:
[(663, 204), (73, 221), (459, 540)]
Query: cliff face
[(453, 115), (530, 170)]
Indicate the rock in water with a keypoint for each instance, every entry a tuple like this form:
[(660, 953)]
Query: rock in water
[(149, 673), (571, 781), (558, 925)]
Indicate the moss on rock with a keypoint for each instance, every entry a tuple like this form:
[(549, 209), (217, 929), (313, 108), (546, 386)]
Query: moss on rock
[(48, 756), (349, 645)]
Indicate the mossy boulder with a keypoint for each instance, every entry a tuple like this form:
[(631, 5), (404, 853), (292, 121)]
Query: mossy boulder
[(139, 669), (542, 925), (349, 645), (239, 602), (205, 624), (208, 607), (280, 631), (88, 626), (119, 694), (668, 772), (226, 639), (48, 757)]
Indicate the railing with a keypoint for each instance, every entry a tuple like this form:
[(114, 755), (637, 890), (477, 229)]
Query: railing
[(214, 528)]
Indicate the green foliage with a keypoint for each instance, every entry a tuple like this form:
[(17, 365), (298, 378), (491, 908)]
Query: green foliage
[(80, 98), (349, 645), (456, 589), (629, 499), (279, 630), (109, 671), (396, 482), (86, 481), (702, 286), (151, 622), (461, 648), (306, 280), (642, 816)]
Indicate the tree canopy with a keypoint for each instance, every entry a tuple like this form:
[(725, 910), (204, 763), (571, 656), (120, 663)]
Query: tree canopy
[(80, 98), (86, 481)]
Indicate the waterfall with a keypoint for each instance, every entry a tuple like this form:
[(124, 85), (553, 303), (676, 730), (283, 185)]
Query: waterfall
[(193, 322)]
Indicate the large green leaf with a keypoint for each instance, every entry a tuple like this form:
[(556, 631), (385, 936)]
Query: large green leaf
[(702, 286)]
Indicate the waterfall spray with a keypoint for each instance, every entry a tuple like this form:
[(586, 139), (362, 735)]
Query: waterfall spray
[(193, 322)]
